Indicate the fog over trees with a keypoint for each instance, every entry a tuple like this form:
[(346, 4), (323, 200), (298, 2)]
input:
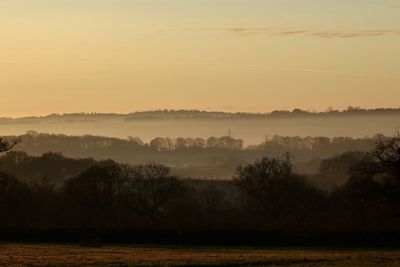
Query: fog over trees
[(52, 192), (251, 127), (213, 157), (195, 188)]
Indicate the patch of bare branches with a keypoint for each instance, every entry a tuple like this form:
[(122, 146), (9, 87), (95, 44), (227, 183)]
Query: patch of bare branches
[(8, 144)]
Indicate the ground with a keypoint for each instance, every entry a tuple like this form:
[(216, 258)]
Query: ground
[(114, 255)]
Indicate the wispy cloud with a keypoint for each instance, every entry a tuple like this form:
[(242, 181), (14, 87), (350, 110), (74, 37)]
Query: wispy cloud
[(263, 68), (314, 32)]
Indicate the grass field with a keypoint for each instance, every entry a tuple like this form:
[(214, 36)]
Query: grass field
[(69, 255)]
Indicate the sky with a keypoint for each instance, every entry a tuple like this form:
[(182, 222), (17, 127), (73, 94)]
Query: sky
[(61, 56)]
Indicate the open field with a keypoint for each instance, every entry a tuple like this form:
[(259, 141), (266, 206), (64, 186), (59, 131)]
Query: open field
[(70, 255)]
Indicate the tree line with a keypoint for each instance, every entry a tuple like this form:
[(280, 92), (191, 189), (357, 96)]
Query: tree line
[(221, 154), (167, 114), (267, 195), (60, 142)]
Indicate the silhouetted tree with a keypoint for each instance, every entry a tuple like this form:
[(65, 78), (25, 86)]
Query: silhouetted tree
[(15, 200), (387, 150), (360, 203), (95, 191), (150, 188), (337, 169), (276, 191), (48, 169)]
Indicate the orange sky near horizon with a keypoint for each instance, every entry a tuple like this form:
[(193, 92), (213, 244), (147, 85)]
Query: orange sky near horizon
[(123, 56)]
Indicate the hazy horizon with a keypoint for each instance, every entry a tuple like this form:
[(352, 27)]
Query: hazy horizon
[(227, 110)]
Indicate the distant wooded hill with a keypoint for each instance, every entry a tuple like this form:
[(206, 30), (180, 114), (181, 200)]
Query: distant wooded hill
[(198, 114)]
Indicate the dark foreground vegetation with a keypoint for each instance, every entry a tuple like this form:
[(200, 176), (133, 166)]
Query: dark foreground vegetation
[(53, 198)]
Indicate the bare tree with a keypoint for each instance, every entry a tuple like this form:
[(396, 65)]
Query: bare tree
[(94, 192), (387, 151), (151, 187), (6, 145), (275, 192)]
